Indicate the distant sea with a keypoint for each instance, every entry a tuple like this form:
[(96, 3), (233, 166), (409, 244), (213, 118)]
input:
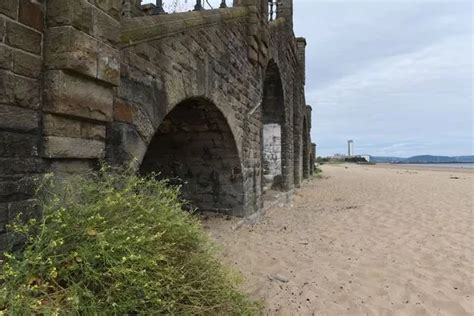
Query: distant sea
[(441, 165)]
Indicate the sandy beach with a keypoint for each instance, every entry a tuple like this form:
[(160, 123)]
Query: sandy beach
[(361, 240)]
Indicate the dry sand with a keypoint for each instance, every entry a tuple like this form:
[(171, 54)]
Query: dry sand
[(364, 240)]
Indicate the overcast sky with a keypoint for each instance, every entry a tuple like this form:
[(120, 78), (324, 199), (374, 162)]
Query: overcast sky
[(395, 76)]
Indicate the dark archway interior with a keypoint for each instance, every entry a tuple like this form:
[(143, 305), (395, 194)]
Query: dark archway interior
[(273, 101), (273, 117), (306, 150), (195, 147)]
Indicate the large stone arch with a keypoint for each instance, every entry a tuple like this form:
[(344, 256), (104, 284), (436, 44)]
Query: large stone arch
[(194, 147), (274, 129)]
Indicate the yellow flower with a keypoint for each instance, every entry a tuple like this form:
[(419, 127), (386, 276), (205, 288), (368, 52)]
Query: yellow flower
[(53, 273)]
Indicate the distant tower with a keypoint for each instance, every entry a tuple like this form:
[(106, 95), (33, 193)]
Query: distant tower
[(350, 148)]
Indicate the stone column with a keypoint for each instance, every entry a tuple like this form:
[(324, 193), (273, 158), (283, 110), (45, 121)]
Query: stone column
[(307, 143), (285, 10), (81, 71), (313, 158), (301, 55), (299, 109)]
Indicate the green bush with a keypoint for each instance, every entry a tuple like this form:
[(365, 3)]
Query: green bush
[(115, 243)]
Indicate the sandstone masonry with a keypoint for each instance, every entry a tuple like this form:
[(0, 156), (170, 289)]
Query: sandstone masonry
[(187, 94)]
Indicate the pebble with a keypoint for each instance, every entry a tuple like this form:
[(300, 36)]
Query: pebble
[(279, 277)]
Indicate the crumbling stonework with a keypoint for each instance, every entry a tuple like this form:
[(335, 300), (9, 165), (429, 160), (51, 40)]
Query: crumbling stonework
[(186, 95)]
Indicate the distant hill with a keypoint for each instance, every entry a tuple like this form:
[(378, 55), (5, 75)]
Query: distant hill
[(387, 159), (423, 159)]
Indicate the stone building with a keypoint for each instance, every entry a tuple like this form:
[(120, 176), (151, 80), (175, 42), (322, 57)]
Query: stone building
[(212, 98)]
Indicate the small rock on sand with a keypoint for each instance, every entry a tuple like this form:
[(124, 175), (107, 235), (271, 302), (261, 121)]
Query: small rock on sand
[(279, 277)]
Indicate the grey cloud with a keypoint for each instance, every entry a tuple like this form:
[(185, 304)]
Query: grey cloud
[(394, 75)]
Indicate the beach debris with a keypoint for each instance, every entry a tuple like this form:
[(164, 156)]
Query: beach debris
[(351, 207), (278, 277), (454, 178)]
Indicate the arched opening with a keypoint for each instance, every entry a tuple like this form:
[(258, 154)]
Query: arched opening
[(194, 146), (273, 135), (306, 149)]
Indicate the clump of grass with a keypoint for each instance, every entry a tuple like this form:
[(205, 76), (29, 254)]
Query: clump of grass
[(318, 172), (115, 244)]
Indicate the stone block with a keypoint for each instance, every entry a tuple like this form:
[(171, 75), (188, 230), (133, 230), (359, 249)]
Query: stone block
[(2, 29), (76, 13), (123, 111), (252, 41), (265, 37), (5, 57), (5, 242), (22, 37), (26, 64), (77, 148), (68, 48), (54, 125), (19, 119), (18, 189), (31, 14), (23, 210), (264, 53), (111, 7), (18, 145), (71, 166), (77, 96), (17, 90), (9, 8), (137, 92), (106, 28), (124, 145), (108, 67), (3, 216), (12, 166), (142, 123), (253, 55)]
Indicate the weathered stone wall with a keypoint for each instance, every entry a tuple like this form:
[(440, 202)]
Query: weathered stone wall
[(21, 41), (83, 80)]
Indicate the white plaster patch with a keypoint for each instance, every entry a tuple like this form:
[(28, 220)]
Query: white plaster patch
[(272, 149)]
